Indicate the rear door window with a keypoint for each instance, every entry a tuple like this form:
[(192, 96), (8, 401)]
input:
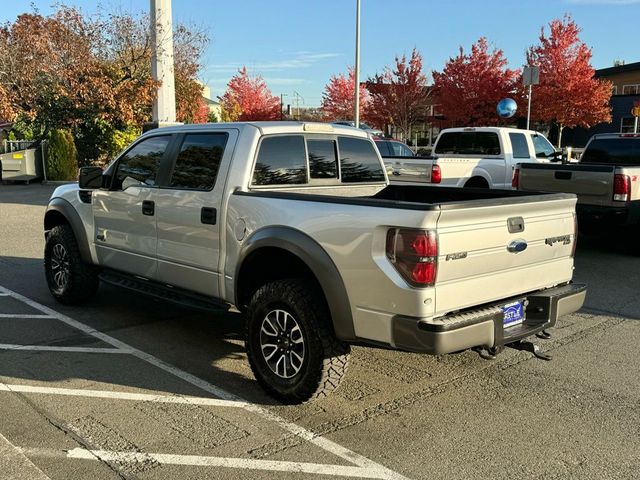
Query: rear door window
[(281, 161), (198, 161), (616, 151), (469, 143), (323, 161), (520, 146), (359, 161)]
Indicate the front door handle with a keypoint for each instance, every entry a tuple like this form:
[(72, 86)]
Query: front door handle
[(208, 215), (148, 207)]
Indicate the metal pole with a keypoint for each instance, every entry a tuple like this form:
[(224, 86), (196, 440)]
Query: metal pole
[(43, 152), (164, 105), (635, 125), (529, 108), (356, 73), (281, 106)]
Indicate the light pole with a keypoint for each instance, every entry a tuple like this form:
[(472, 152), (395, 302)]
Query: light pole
[(164, 106), (356, 73)]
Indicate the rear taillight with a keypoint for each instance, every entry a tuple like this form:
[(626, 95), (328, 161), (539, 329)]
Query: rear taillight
[(436, 174), (515, 179), (414, 254), (621, 187)]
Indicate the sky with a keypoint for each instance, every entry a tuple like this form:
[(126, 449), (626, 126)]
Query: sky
[(297, 45)]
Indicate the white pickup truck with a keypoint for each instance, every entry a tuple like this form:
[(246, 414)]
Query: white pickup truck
[(473, 157), (295, 224)]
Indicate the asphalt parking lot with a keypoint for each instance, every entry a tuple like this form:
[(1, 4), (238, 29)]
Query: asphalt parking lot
[(129, 387)]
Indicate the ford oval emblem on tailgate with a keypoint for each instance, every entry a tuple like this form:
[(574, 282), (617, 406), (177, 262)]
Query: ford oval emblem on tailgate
[(517, 246)]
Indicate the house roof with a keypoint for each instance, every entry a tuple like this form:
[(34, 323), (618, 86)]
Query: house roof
[(208, 101), (628, 67)]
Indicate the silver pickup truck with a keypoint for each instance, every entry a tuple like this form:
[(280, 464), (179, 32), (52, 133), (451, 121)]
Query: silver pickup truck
[(295, 225), (606, 181)]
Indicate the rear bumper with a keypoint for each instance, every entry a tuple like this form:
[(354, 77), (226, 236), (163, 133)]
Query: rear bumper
[(629, 214), (483, 326)]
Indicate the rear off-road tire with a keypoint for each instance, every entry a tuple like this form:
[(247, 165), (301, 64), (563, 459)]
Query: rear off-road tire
[(292, 349)]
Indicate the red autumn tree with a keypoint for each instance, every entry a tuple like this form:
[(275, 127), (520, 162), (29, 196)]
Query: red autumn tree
[(471, 85), (399, 95), (337, 99), (249, 98), (568, 93)]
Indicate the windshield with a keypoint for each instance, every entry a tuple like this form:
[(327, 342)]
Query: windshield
[(618, 151)]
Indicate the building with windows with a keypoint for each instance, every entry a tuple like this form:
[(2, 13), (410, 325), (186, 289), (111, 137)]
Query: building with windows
[(626, 92)]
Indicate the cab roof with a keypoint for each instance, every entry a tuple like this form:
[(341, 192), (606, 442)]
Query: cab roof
[(266, 128)]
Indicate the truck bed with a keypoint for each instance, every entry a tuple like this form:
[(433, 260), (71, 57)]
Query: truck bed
[(421, 197), (476, 229)]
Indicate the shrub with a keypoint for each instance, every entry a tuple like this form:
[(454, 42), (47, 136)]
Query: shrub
[(62, 163)]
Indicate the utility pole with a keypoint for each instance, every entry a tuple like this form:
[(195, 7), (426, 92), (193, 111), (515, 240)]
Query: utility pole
[(164, 106), (282, 95), (356, 73), (297, 98)]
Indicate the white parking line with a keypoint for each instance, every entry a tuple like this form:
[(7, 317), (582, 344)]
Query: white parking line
[(14, 463), (139, 397), (129, 457), (242, 463), (22, 315), (48, 348), (321, 442)]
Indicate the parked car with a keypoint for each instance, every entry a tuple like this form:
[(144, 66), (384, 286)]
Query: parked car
[(477, 157), (296, 225), (362, 126), (606, 180), (390, 147)]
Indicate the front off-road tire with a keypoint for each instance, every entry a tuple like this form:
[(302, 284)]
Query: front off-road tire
[(70, 280), (292, 350)]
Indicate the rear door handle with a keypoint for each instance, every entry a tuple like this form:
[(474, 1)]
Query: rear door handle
[(148, 207), (208, 215)]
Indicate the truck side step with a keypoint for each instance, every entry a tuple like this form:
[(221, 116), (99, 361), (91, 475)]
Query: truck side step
[(165, 292)]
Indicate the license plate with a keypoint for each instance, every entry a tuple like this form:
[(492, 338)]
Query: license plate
[(513, 314)]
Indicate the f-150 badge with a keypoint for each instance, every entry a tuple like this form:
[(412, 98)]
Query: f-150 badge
[(564, 239)]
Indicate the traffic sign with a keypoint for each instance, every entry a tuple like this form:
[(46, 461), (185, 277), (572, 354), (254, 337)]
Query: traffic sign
[(530, 76)]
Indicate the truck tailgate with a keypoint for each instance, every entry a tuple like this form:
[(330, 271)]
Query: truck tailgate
[(489, 252), (592, 183)]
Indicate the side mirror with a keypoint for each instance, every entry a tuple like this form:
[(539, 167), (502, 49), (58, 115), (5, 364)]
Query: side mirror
[(90, 178), (557, 156)]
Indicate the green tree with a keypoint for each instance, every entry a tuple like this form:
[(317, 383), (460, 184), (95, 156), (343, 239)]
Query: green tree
[(61, 156)]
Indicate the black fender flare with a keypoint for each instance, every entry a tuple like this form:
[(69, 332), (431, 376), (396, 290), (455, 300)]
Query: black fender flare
[(63, 207), (317, 260)]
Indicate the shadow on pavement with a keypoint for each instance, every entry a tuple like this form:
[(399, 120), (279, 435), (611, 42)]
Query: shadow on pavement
[(205, 344)]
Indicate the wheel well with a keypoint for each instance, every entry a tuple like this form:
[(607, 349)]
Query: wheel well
[(266, 265), (53, 218), (476, 182)]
